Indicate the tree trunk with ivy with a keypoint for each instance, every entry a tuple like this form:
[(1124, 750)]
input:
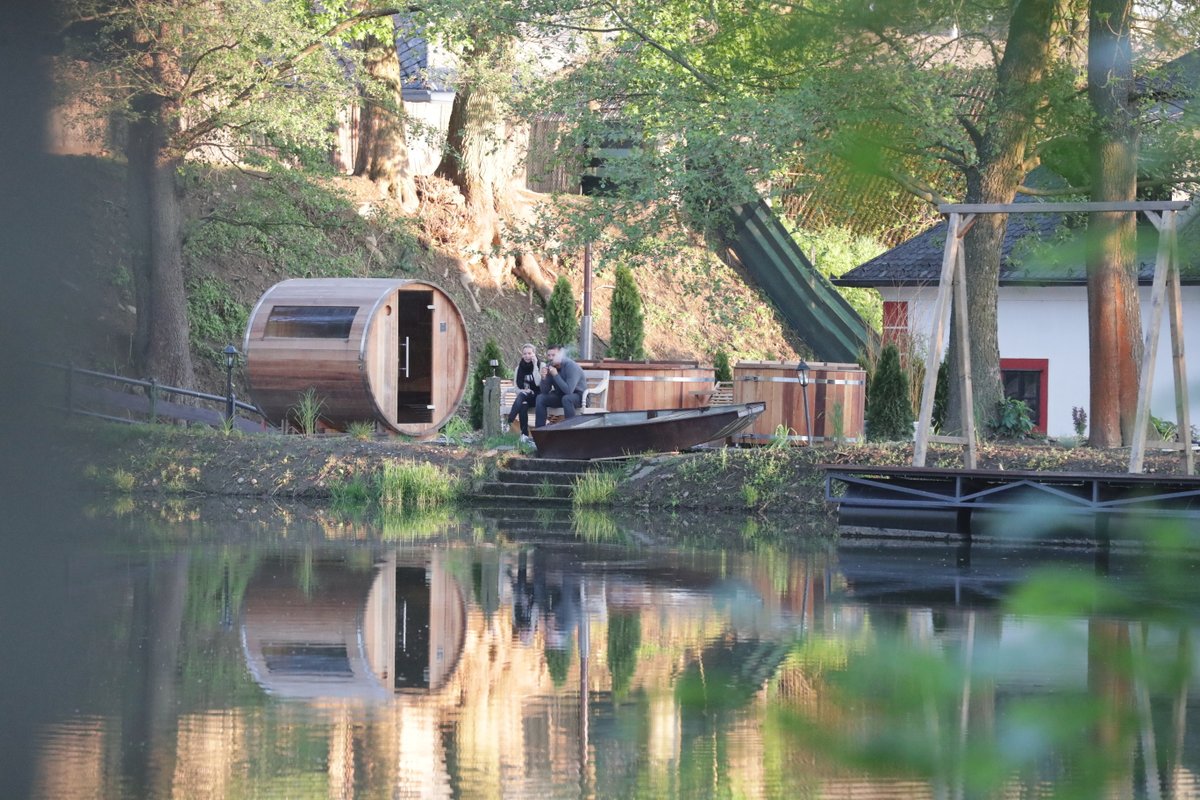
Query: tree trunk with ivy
[(1114, 313)]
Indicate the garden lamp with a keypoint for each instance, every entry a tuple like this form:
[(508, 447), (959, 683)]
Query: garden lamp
[(802, 377), (231, 355)]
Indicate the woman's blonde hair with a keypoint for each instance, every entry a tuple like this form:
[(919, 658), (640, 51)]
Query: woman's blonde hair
[(529, 345)]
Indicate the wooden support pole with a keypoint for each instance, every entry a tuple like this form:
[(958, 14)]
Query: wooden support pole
[(1175, 314), (966, 391), (933, 358), (1162, 266)]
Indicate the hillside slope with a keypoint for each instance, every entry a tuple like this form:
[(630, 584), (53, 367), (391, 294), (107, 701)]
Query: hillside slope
[(245, 232)]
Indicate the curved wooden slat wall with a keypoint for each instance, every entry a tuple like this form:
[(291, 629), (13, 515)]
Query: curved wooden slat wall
[(639, 385), (356, 378), (831, 387)]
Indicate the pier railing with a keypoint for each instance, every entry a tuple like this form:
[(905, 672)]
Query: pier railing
[(116, 398)]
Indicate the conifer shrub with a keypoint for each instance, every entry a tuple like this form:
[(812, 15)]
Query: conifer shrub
[(722, 367), (483, 371), (941, 396), (889, 410), (628, 320), (562, 326)]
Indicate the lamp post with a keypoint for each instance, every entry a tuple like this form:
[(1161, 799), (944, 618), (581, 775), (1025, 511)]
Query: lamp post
[(802, 377), (494, 364), (231, 355)]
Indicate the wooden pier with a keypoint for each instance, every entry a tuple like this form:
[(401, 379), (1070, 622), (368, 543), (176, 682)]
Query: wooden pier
[(929, 498)]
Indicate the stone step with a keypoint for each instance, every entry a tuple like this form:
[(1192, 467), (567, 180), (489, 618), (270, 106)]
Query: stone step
[(529, 501), (549, 465), (509, 475), (534, 491)]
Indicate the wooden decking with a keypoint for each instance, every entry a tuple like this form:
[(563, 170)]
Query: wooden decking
[(910, 492)]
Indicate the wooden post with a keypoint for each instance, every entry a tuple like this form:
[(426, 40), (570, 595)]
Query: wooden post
[(933, 358), (491, 407), (1175, 314), (966, 392), (1162, 265)]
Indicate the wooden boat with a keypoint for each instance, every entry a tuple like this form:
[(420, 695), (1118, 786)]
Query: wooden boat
[(620, 433)]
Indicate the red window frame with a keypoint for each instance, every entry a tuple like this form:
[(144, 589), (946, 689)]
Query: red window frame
[(1041, 365), (895, 321)]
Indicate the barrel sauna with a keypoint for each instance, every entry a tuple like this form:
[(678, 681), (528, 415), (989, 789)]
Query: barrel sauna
[(382, 350), (833, 391), (639, 385)]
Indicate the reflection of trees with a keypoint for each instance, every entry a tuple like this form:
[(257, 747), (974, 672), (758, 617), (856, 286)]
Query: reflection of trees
[(624, 639)]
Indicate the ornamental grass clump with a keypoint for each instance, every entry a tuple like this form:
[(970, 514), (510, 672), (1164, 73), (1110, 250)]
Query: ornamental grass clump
[(594, 489), (889, 408), (404, 486)]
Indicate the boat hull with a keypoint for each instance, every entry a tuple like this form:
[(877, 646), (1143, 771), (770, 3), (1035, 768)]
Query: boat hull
[(624, 433)]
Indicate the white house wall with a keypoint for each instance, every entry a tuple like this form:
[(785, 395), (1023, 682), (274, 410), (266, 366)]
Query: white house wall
[(1051, 323)]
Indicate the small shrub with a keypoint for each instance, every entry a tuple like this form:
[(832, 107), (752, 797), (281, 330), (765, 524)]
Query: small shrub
[(749, 495), (889, 415), (410, 486), (781, 438), (350, 496), (483, 371), (721, 366), (1165, 428), (562, 326), (123, 481), (363, 431), (626, 318), (1012, 419), (1079, 420), (307, 411), (594, 489), (456, 430)]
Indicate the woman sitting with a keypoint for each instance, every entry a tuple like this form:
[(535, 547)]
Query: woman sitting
[(526, 378)]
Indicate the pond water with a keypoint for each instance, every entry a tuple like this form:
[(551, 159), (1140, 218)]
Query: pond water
[(286, 653)]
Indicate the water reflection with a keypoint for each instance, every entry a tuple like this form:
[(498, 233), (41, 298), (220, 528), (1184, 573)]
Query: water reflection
[(487, 656)]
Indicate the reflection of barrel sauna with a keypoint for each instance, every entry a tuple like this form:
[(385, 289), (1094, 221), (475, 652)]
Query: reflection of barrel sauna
[(636, 385), (380, 350), (836, 398), (352, 632)]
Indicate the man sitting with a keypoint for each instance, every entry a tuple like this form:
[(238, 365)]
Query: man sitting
[(562, 385)]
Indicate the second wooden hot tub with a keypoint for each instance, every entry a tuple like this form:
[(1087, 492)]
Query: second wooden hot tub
[(834, 396)]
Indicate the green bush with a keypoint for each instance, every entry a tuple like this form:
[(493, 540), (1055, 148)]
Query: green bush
[(889, 409), (721, 366), (627, 319), (483, 371), (1013, 420), (562, 326)]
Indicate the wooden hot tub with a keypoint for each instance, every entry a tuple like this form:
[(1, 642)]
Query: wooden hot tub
[(836, 400), (641, 385)]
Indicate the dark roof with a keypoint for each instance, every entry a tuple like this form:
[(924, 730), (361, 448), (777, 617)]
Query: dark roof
[(1037, 251), (416, 75)]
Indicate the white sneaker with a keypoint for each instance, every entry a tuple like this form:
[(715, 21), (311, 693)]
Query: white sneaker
[(527, 439)]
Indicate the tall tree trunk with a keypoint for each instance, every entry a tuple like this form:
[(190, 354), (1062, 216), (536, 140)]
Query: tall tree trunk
[(1002, 166), (1114, 315), (161, 345), (382, 153)]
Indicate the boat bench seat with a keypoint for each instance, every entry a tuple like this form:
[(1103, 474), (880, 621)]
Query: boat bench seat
[(595, 396)]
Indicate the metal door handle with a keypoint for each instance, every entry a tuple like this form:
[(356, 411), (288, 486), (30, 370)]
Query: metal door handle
[(406, 375)]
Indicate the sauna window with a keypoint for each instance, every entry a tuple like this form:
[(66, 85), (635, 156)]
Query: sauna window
[(311, 322), (307, 659)]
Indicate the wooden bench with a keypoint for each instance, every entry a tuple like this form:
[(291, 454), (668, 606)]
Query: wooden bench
[(595, 396)]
